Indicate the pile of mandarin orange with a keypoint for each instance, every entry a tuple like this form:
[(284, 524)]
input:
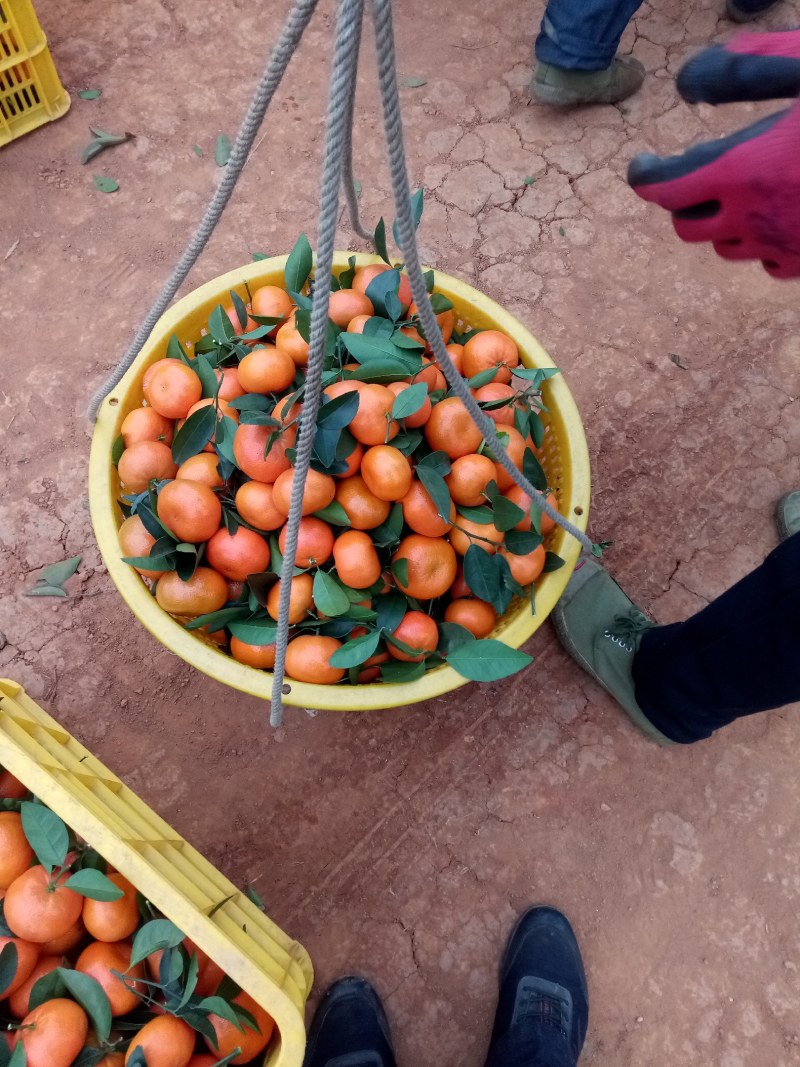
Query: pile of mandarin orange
[(413, 539), (90, 974)]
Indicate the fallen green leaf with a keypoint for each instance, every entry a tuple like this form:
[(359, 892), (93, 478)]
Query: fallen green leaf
[(357, 187), (105, 185), (198, 151), (101, 141), (222, 150), (529, 180), (89, 94), (562, 231), (414, 82)]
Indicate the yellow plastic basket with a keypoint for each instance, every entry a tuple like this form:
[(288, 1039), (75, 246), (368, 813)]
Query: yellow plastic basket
[(565, 459), (260, 957), (30, 91)]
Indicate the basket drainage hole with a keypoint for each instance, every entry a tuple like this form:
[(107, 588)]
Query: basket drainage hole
[(113, 402), (579, 511), (286, 690)]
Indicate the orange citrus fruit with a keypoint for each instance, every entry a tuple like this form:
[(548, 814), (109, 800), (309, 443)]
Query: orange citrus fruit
[(364, 510), (38, 906), (53, 1034), (249, 446), (450, 429), (307, 659), (417, 630), (237, 555), (255, 504), (431, 566), (300, 598), (356, 560), (490, 348), (345, 304), (267, 370), (314, 542), (145, 424), (204, 467), (165, 1042), (261, 656), (466, 532), (318, 491), (230, 386), (419, 512), (474, 615), (386, 472), (494, 391), (288, 339), (19, 1000), (171, 388), (190, 509), (28, 954), (468, 479), (144, 461), (271, 302), (112, 920), (205, 591), (525, 569), (99, 959), (16, 855), (371, 424), (250, 1041)]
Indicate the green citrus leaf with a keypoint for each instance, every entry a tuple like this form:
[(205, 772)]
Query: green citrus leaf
[(352, 653), (487, 660), (222, 150), (298, 265), (92, 998), (195, 433), (95, 885), (410, 400), (9, 958), (329, 596), (158, 933), (46, 833), (89, 94), (105, 185)]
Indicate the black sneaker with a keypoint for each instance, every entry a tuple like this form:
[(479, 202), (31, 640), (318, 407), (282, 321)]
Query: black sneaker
[(350, 1028), (747, 10), (543, 1004)]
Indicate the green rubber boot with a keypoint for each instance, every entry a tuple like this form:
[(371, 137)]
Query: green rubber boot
[(601, 628), (560, 87), (787, 515)]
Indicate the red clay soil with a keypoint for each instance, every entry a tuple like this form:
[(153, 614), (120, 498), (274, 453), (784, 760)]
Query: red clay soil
[(403, 844)]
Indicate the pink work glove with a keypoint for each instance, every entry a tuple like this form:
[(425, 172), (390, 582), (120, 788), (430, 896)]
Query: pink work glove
[(741, 192)]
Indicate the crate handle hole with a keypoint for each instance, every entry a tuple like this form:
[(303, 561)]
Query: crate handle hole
[(579, 510), (113, 401), (286, 689)]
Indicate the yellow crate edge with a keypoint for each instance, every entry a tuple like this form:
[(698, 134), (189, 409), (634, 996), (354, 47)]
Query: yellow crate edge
[(288, 1015), (105, 511)]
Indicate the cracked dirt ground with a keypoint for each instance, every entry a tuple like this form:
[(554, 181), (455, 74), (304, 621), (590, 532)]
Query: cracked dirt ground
[(402, 844)]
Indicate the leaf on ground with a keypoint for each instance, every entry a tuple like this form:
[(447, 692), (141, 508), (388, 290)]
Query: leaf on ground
[(357, 187), (105, 185), (258, 256), (102, 140), (562, 231), (529, 180), (198, 151), (414, 82), (89, 94), (222, 150), (52, 578)]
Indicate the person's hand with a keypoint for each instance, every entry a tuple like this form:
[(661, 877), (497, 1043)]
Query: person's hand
[(741, 192)]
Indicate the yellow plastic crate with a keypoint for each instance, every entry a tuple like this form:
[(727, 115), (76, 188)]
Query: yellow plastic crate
[(565, 459), (184, 886), (30, 91), (21, 35)]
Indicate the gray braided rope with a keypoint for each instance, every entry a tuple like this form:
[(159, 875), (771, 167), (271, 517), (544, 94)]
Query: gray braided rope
[(345, 58), (348, 178), (296, 22), (393, 125)]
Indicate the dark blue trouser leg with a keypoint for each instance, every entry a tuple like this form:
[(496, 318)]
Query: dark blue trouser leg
[(583, 34), (738, 656)]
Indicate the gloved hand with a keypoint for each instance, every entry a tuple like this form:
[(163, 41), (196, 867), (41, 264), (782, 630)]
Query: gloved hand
[(741, 192)]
